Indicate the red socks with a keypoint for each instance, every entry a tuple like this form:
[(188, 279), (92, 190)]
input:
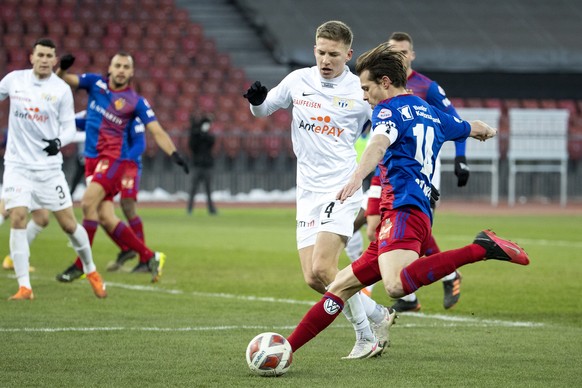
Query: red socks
[(137, 226), (126, 235), (427, 270), (320, 316)]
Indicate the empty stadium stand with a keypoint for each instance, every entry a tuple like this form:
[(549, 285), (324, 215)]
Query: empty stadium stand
[(202, 55)]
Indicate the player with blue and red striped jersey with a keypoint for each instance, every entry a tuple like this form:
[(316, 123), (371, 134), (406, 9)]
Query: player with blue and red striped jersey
[(136, 144), (407, 136), (112, 106)]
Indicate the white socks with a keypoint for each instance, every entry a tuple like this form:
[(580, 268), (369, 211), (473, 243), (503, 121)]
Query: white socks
[(450, 276), (356, 314), (355, 246), (20, 253), (32, 230), (80, 241), (409, 297)]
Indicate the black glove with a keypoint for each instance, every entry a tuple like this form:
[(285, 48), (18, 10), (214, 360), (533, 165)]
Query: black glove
[(67, 61), (177, 158), (53, 147), (461, 170), (256, 93), (434, 196)]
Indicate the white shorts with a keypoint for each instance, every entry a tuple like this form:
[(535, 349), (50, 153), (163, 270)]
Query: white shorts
[(35, 189), (364, 204), (320, 212)]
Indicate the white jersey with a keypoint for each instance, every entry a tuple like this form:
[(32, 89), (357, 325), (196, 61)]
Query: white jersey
[(328, 117), (39, 109)]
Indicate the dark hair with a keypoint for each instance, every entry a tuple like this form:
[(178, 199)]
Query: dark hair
[(382, 61), (336, 31), (401, 37), (46, 42)]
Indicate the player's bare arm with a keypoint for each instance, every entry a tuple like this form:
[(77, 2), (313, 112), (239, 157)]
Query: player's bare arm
[(163, 140), (370, 158), (481, 131)]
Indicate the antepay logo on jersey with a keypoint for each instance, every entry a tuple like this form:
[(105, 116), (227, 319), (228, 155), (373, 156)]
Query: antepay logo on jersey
[(322, 126)]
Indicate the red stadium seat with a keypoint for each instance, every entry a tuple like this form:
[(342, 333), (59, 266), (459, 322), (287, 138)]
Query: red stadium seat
[(511, 103), (570, 105), (146, 88), (457, 102), (47, 15), (82, 59), (195, 31), (231, 144), (72, 44), (65, 13), (187, 102), (170, 89), (181, 17), (474, 103), (530, 103), (548, 104), (115, 30), (493, 103), (190, 87), (75, 28), (173, 32), (154, 30), (35, 29), (575, 143), (14, 28), (111, 45), (56, 30), (272, 145), (11, 41), (91, 43), (190, 46)]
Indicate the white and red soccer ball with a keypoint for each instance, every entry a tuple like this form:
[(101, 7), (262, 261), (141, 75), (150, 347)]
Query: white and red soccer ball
[(269, 354)]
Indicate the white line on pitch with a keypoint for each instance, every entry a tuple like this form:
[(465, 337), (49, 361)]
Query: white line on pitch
[(452, 320), (484, 323), (446, 318)]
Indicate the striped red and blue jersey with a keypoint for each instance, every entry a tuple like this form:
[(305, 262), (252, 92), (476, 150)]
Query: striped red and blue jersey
[(407, 167), (136, 139), (109, 117)]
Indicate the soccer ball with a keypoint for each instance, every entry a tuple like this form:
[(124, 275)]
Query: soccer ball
[(269, 354)]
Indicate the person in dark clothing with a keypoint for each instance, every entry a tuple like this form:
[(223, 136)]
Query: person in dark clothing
[(201, 143)]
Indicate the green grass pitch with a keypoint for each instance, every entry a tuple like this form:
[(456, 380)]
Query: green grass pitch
[(233, 276)]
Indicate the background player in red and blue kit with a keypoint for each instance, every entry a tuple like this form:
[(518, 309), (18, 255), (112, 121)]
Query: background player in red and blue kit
[(407, 136), (112, 106), (427, 89), (136, 143)]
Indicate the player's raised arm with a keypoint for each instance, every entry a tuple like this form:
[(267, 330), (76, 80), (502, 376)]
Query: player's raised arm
[(164, 141), (67, 61)]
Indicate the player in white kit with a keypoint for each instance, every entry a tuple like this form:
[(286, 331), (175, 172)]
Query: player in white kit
[(42, 119), (329, 114)]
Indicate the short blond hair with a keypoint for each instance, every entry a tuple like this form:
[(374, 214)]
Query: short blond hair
[(336, 31)]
